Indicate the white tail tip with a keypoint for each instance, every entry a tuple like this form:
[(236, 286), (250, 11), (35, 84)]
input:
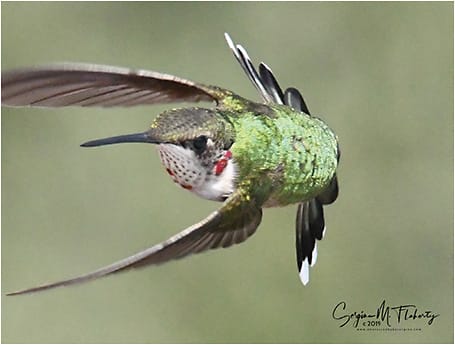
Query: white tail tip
[(304, 273)]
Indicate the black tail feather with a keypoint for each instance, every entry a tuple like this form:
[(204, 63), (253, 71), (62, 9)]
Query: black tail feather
[(294, 99), (330, 194), (310, 227)]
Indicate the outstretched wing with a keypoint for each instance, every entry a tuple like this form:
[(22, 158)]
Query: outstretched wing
[(233, 223), (97, 85)]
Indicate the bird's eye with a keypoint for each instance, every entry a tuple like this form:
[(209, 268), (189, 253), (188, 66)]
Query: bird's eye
[(200, 144)]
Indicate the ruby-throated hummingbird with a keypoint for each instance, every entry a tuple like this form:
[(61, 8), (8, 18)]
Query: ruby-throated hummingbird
[(248, 155)]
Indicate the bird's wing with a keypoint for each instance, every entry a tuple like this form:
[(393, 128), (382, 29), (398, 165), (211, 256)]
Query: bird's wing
[(89, 85), (233, 223)]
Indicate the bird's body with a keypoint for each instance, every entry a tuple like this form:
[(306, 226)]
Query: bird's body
[(248, 155), (279, 155), (285, 156)]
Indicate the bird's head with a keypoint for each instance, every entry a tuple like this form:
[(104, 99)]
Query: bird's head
[(194, 147)]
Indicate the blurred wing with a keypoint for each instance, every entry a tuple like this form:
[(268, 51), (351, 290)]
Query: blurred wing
[(89, 85), (233, 223)]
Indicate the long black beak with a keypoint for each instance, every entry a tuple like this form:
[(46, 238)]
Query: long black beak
[(143, 137)]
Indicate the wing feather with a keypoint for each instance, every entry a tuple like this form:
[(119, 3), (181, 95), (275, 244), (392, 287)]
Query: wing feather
[(233, 223), (98, 85)]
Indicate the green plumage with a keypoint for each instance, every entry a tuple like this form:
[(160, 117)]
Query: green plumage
[(295, 153), (282, 156), (249, 155), (286, 156)]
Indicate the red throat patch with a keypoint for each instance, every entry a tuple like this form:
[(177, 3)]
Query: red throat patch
[(222, 163)]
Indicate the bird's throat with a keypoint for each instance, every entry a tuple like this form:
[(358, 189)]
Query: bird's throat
[(210, 180)]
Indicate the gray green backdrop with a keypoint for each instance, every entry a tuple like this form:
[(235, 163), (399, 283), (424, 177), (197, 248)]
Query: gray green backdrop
[(380, 74)]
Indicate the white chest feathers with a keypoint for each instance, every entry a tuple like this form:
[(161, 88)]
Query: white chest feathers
[(212, 179)]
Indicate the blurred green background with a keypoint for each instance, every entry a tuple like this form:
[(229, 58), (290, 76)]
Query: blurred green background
[(380, 74)]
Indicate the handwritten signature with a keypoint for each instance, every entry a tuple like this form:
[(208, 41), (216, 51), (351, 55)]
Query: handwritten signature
[(384, 313)]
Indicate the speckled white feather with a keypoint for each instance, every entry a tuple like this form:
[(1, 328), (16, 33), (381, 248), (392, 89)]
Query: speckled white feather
[(218, 187), (185, 169)]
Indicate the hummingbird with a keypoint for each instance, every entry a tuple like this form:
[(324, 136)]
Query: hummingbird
[(245, 154)]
